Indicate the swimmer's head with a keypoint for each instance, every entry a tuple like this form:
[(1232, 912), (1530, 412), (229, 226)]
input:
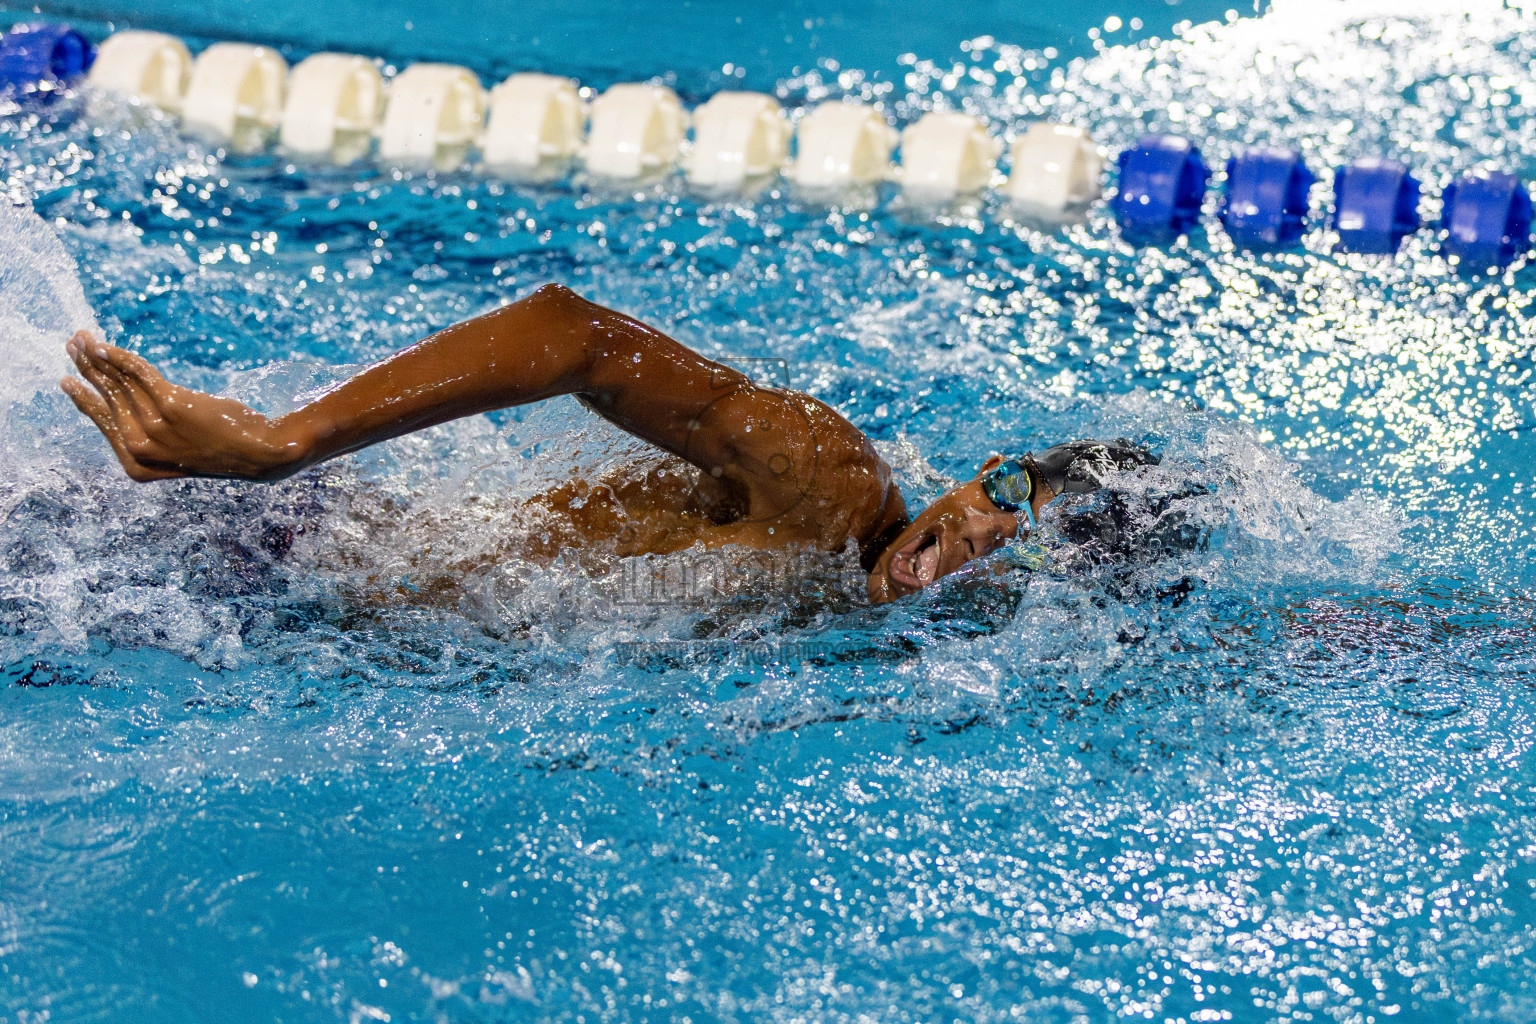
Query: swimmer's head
[(961, 525), (981, 515)]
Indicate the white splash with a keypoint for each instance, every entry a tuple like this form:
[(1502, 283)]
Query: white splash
[(41, 305)]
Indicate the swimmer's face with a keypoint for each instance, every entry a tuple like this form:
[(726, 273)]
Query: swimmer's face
[(963, 524)]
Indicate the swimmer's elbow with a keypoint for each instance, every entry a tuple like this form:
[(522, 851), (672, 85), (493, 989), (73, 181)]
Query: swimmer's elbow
[(601, 347), (564, 314), (558, 296)]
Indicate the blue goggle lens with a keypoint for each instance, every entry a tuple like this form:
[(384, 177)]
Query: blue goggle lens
[(1009, 487)]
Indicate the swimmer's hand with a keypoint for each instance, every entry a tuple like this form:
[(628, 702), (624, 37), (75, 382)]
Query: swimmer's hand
[(160, 430)]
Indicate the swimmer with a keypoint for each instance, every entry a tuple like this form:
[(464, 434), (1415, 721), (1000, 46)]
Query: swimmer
[(771, 468)]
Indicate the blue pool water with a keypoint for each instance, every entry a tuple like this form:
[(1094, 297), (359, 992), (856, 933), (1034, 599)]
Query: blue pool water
[(321, 751)]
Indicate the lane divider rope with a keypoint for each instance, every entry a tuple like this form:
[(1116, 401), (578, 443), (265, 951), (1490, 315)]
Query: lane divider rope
[(338, 107)]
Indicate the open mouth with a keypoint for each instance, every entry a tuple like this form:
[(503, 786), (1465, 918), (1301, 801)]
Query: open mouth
[(917, 563)]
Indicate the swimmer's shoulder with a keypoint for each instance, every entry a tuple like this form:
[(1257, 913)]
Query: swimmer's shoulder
[(854, 488), (816, 465)]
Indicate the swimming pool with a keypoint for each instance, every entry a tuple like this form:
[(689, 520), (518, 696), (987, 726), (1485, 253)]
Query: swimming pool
[(261, 758)]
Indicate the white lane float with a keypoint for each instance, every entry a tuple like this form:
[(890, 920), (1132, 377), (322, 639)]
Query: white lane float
[(841, 144), (947, 153), (332, 105), (335, 101), (533, 120), (636, 130), (149, 66), (433, 116), (235, 95), (1056, 168), (737, 136)]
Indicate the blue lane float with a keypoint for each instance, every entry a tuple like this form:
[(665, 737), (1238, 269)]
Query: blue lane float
[(1162, 187), (1265, 204), (32, 55), (1376, 205), (1487, 219)]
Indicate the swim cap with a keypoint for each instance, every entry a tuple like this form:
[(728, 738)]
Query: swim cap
[(1075, 467)]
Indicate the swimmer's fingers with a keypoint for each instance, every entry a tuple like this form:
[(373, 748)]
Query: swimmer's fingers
[(148, 414), (137, 369), (146, 405), (114, 413), (142, 381), (77, 340), (90, 403), (96, 409), (111, 393), (159, 403), (100, 413)]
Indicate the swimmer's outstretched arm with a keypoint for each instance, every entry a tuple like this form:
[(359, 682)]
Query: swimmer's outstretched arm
[(553, 342)]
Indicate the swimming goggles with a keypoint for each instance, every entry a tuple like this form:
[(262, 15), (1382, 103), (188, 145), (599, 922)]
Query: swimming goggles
[(1072, 467), (1010, 486)]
